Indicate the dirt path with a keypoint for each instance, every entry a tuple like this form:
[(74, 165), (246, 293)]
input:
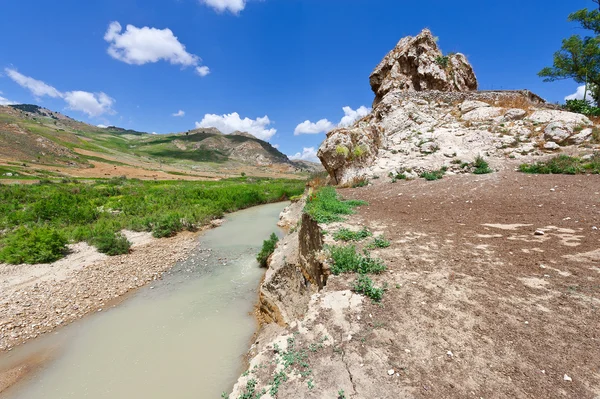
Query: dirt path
[(478, 305)]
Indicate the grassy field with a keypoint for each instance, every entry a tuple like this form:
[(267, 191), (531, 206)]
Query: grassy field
[(37, 221)]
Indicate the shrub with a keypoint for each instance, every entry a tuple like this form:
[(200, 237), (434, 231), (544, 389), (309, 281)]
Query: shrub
[(364, 285), (347, 260), (349, 235), (325, 206), (379, 242), (434, 175), (167, 226), (481, 167), (342, 150), (33, 245), (110, 243), (582, 107), (267, 250), (564, 164), (442, 61)]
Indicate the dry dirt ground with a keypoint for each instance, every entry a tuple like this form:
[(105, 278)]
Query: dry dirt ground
[(477, 305)]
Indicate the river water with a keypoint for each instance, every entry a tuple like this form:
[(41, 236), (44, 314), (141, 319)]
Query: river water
[(181, 337)]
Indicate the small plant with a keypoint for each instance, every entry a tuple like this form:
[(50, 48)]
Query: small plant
[(110, 243), (267, 250), (379, 242), (358, 151), (341, 394), (349, 235), (362, 182), (564, 164), (346, 259), (364, 285), (167, 226), (434, 175), (33, 245), (442, 61), (342, 150), (481, 167), (325, 206), (582, 107)]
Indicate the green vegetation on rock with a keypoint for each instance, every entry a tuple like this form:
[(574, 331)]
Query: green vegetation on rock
[(325, 206), (267, 250), (564, 164), (349, 235), (346, 259)]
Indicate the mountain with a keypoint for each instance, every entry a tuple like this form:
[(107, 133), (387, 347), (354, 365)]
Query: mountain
[(35, 140)]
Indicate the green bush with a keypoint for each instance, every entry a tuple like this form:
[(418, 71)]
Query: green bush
[(33, 245), (481, 167), (267, 250), (379, 242), (364, 285), (442, 61), (110, 243), (349, 235), (167, 226), (325, 206), (582, 107), (564, 164), (434, 175), (346, 259)]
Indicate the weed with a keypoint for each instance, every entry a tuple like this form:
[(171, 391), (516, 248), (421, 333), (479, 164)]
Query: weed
[(358, 151), (364, 285), (35, 245), (349, 235), (325, 206), (346, 259), (442, 61), (379, 242), (110, 243), (342, 150), (267, 250), (481, 167), (564, 164), (434, 174), (341, 394), (360, 182)]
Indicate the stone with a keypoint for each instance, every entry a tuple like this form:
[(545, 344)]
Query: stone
[(581, 137), (558, 132), (514, 114), (470, 105), (539, 233), (391, 372), (429, 148), (551, 145), (482, 114), (417, 64), (570, 118), (567, 378)]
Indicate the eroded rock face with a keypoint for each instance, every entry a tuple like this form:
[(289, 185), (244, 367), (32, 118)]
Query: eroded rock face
[(417, 64)]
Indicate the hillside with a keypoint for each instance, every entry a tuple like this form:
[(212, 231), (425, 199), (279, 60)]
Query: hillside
[(37, 142)]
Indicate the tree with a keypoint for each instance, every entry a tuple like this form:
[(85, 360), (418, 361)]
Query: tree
[(579, 57)]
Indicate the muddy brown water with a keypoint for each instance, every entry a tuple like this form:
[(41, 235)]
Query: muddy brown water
[(181, 337)]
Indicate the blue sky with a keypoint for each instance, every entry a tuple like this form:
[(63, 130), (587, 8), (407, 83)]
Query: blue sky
[(265, 66)]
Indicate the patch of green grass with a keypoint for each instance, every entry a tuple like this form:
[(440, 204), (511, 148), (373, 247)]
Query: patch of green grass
[(95, 210), (346, 259), (267, 250), (434, 175), (33, 245), (564, 164), (325, 206), (481, 167), (110, 243), (364, 285), (379, 242), (349, 235)]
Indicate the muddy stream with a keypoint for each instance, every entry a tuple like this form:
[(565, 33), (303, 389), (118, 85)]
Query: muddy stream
[(181, 337)]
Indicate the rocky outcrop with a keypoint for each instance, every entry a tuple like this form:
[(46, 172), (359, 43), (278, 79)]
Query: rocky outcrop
[(417, 64), (426, 117)]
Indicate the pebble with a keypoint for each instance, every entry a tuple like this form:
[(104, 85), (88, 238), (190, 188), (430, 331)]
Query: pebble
[(567, 378), (594, 227), (391, 372), (539, 233), (450, 354)]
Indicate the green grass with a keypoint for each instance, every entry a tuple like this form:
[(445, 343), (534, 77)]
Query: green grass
[(267, 250), (349, 235), (481, 167), (95, 211), (346, 259), (325, 206), (564, 164), (364, 285), (379, 242), (434, 175)]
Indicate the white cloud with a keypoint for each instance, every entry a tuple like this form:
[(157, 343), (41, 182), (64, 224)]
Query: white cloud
[(234, 6), (5, 101), (101, 126), (230, 123), (351, 116), (276, 146), (578, 95), (179, 113), (308, 127), (323, 126), (139, 46), (308, 154), (36, 87), (93, 104), (203, 70)]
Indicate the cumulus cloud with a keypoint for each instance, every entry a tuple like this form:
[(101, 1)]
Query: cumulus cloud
[(307, 154), (579, 94), (101, 126), (93, 104), (230, 123), (36, 87), (234, 6), (203, 70), (139, 46), (5, 101), (179, 113), (323, 126), (308, 127)]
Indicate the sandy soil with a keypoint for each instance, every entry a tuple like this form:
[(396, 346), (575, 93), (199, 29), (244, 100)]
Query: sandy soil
[(477, 305)]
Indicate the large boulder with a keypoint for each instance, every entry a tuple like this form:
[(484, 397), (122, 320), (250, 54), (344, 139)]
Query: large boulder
[(417, 64)]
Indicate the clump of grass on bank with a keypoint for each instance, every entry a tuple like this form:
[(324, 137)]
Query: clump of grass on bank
[(325, 206), (364, 285), (36, 221), (564, 164), (346, 259), (349, 235), (267, 250), (481, 167), (434, 175), (379, 242)]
